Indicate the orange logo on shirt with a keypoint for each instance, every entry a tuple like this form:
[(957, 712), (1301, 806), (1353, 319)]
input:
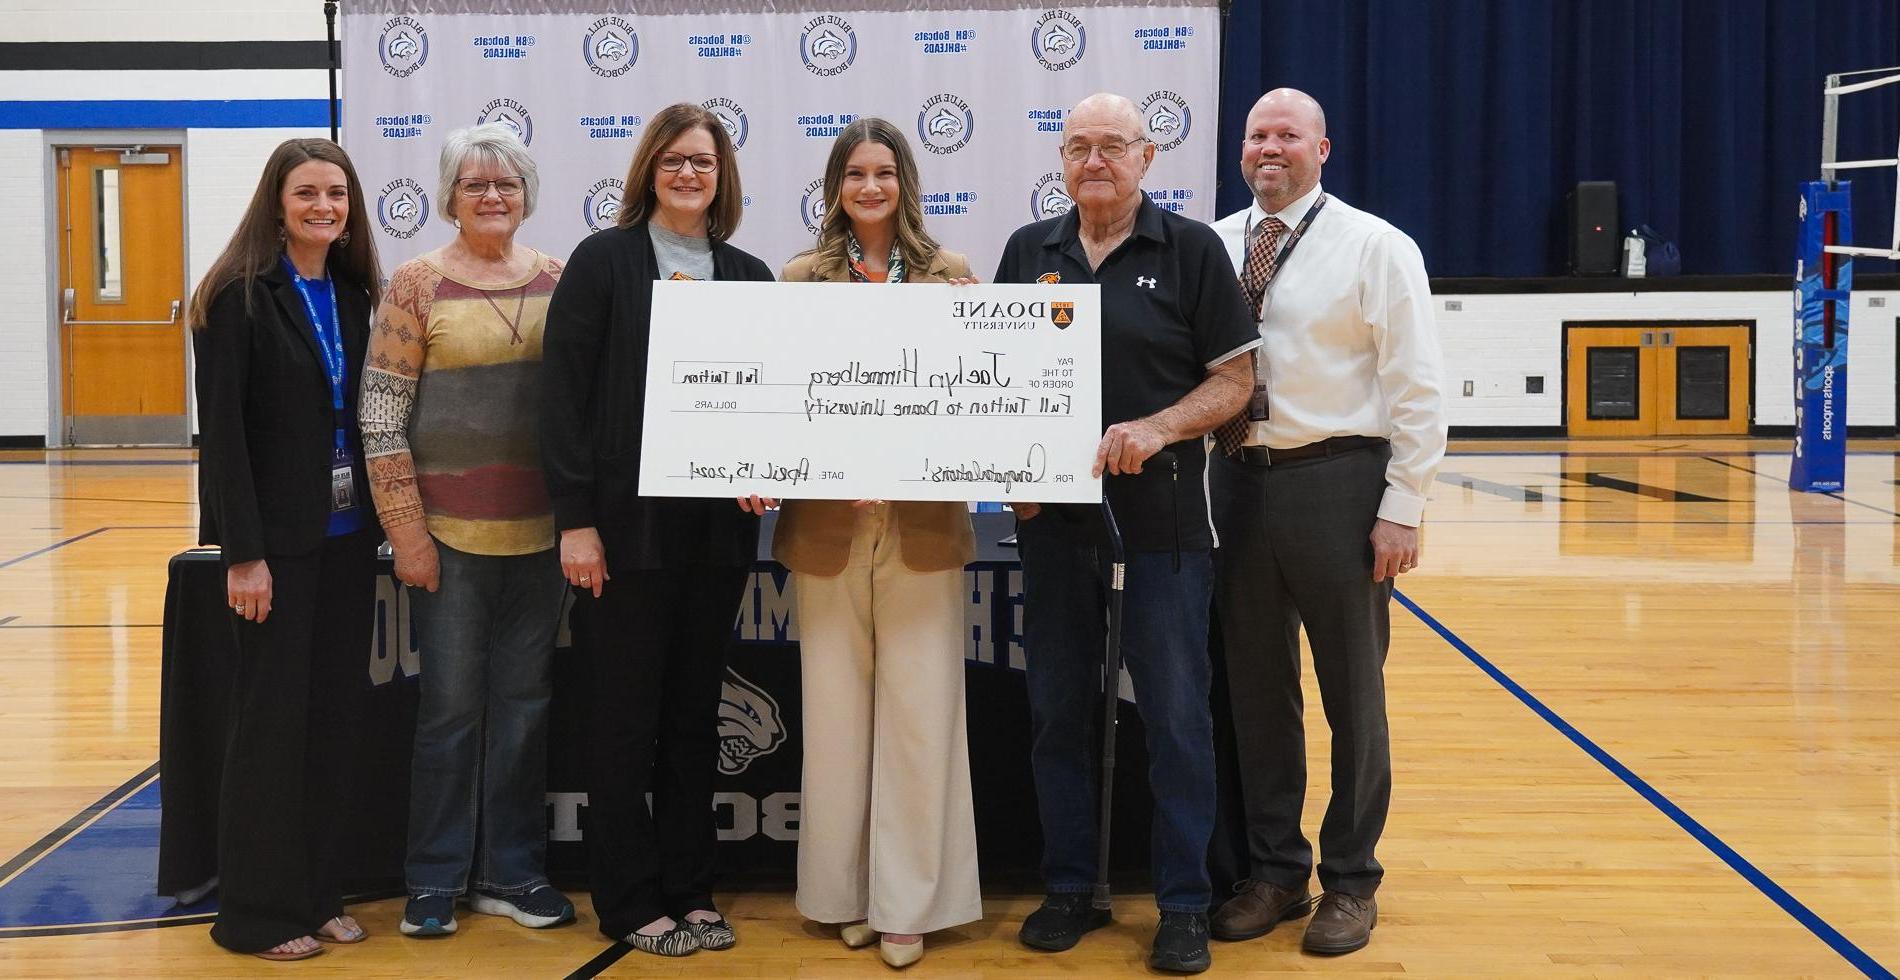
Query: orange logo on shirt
[(681, 277), (1049, 278)]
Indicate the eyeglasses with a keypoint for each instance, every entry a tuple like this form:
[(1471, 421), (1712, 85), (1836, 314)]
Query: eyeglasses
[(476, 187), (703, 163), (1078, 151)]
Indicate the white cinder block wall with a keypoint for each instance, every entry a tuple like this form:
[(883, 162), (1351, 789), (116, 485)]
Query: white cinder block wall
[(24, 319), (1497, 340), (221, 165)]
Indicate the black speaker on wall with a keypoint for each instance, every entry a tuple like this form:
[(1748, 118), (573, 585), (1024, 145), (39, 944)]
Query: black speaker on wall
[(1595, 243)]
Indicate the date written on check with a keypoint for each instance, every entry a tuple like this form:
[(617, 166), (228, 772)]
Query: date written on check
[(846, 391)]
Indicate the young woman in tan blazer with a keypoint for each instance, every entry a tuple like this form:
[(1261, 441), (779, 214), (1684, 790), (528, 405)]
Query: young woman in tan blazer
[(887, 840)]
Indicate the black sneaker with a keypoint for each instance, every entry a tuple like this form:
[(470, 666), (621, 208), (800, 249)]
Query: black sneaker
[(1181, 943), (428, 915), (537, 909), (1061, 921)]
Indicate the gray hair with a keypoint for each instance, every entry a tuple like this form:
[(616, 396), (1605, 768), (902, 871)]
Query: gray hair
[(492, 142)]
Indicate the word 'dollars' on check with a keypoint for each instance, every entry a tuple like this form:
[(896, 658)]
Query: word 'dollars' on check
[(844, 392)]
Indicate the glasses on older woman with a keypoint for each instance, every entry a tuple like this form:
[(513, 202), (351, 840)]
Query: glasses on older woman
[(703, 163), (476, 187)]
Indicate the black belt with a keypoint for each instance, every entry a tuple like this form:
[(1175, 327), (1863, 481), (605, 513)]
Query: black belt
[(1325, 448)]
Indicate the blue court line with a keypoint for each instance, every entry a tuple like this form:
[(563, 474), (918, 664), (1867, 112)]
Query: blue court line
[(1754, 876)]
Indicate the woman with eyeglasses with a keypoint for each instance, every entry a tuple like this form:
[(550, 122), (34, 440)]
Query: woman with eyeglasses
[(279, 326), (450, 393), (657, 579), (887, 832)]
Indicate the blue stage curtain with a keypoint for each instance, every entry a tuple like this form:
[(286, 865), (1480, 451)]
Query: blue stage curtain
[(1466, 122)]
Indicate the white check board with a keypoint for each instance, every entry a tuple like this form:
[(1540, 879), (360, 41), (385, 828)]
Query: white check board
[(848, 391)]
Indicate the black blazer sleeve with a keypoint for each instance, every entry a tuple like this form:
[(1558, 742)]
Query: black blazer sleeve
[(572, 347), (221, 351)]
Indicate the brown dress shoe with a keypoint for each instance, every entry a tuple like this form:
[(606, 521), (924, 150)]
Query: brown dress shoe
[(1342, 924), (1256, 908)]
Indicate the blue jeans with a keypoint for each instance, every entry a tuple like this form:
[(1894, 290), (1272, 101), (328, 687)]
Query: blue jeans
[(1164, 641), (486, 639)]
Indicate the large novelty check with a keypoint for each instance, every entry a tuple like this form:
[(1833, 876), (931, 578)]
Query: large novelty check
[(840, 391)]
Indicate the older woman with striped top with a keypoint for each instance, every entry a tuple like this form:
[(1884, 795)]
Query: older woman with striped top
[(450, 402)]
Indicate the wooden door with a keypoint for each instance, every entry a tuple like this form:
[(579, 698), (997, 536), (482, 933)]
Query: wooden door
[(122, 292), (1638, 380), (1703, 377), (1611, 387)]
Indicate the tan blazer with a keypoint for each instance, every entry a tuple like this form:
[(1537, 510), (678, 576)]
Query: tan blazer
[(814, 536)]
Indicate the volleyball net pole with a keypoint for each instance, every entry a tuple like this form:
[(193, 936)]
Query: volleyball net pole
[(1824, 284)]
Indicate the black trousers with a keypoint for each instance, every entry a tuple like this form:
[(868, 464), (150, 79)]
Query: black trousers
[(300, 678), (657, 642), (1295, 552)]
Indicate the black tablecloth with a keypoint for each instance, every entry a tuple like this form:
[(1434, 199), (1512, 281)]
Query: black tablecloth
[(758, 787)]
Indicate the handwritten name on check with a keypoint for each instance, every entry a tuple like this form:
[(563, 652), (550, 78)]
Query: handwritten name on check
[(850, 391)]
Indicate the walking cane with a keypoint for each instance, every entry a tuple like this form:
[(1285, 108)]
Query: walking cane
[(1112, 680)]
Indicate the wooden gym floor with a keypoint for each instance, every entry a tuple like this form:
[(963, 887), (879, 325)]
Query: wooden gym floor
[(1645, 707)]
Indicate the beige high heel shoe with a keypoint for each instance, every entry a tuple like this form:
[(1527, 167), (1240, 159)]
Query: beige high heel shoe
[(900, 955), (857, 935)]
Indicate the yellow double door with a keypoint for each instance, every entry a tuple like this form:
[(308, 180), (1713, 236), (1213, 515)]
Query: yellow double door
[(1657, 380)]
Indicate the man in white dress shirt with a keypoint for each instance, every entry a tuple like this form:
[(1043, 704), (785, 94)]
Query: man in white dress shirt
[(1318, 491)]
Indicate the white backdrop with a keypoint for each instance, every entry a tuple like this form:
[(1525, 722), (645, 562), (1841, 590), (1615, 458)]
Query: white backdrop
[(981, 93)]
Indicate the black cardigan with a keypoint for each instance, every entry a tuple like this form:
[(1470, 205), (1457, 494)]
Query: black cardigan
[(593, 403), (265, 416)]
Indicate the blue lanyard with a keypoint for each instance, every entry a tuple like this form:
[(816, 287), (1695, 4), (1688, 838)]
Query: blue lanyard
[(329, 337)]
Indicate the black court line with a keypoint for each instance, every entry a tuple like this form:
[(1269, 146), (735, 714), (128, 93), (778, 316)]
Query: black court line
[(9, 563), (1755, 876), (1643, 489), (98, 462), (1835, 494), (103, 500), (4, 624), (65, 830), (608, 957)]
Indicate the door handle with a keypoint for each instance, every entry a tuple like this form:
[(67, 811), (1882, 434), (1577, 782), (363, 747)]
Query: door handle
[(66, 300), (176, 306)]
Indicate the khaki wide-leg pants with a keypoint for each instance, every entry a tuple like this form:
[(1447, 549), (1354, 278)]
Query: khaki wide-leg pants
[(887, 830)]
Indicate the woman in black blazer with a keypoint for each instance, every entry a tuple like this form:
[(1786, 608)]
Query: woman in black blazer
[(658, 579), (280, 326)]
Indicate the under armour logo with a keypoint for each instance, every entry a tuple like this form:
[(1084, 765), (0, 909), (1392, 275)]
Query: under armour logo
[(1147, 281)]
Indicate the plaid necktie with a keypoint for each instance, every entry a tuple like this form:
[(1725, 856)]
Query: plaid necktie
[(1263, 252)]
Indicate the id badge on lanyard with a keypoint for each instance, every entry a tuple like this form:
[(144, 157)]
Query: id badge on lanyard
[(330, 341)]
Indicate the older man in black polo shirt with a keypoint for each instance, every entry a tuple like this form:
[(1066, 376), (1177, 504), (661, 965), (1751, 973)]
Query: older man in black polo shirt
[(1176, 361)]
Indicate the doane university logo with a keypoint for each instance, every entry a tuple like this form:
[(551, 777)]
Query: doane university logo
[(1058, 40), (402, 208), (610, 47), (945, 124), (511, 114), (1061, 314), (403, 46), (828, 46)]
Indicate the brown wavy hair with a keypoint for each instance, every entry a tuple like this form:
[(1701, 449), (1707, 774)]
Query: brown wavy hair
[(638, 202), (258, 240), (913, 241)]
